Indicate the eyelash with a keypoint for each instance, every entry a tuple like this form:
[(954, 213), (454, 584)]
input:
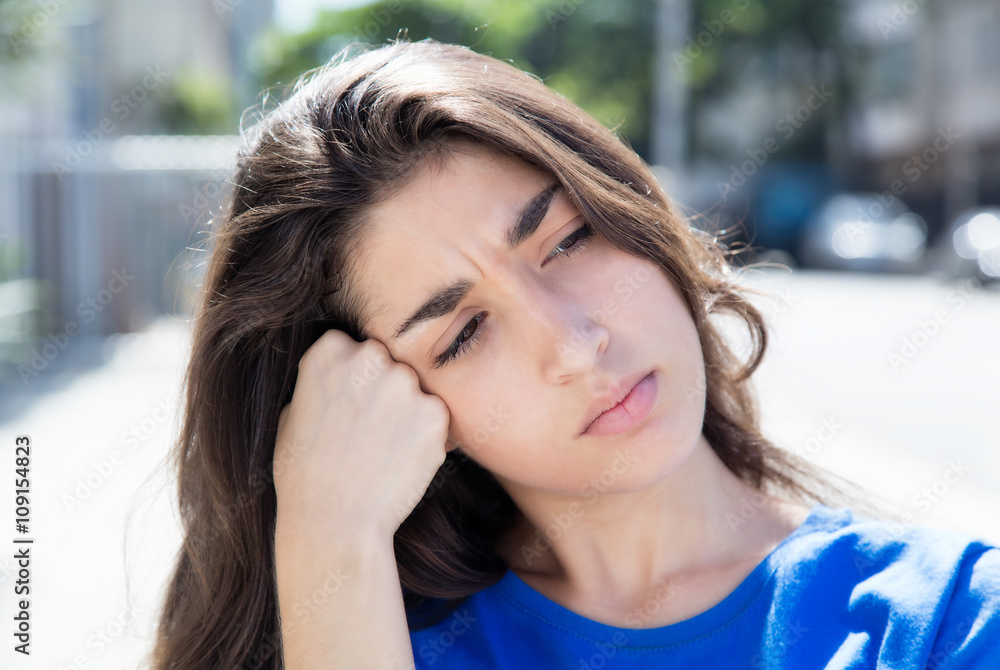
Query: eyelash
[(460, 346)]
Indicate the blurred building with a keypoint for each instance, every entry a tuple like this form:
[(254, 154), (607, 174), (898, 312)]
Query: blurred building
[(97, 204), (925, 118), (99, 177), (901, 103)]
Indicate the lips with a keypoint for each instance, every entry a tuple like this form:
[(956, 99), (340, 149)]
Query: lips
[(610, 398)]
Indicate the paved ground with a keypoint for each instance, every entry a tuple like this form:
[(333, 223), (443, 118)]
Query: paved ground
[(100, 424), (917, 429), (894, 383)]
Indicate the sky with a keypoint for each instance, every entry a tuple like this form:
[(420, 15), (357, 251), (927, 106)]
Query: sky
[(296, 15)]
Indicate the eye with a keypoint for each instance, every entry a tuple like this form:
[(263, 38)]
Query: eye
[(466, 337), (470, 334), (572, 244)]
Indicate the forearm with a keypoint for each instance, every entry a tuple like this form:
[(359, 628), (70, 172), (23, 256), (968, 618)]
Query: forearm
[(340, 602)]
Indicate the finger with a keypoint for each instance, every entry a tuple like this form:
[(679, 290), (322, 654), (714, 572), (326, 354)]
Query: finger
[(384, 347)]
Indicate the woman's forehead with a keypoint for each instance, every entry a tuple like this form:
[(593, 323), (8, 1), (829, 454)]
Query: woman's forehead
[(475, 182), (414, 237)]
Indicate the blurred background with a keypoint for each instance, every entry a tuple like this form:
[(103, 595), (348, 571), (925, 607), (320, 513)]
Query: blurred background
[(851, 148)]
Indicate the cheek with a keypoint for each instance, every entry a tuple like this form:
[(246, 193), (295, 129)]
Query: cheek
[(481, 431), (654, 317), (625, 286), (482, 411), (493, 425), (686, 359)]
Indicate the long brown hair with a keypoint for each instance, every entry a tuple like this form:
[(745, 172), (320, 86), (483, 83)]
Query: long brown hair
[(280, 276)]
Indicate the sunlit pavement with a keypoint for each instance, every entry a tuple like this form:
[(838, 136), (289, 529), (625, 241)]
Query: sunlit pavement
[(892, 382), (918, 429), (100, 422)]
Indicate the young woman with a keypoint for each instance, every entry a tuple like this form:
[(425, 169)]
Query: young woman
[(457, 399)]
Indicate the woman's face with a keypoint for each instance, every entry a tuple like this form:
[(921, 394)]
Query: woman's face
[(545, 333)]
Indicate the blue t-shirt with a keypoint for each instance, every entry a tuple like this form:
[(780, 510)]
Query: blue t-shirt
[(841, 591)]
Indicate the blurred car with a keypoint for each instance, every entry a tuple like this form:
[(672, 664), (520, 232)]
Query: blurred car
[(970, 246), (864, 231), (783, 198)]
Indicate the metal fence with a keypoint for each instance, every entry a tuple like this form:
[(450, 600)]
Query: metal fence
[(103, 240)]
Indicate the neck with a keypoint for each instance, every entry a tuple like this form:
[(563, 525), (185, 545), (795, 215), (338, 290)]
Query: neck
[(699, 518)]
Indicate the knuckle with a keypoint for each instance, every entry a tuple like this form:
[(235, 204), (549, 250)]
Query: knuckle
[(325, 351), (437, 410), (406, 371), (309, 358), (372, 343), (329, 343), (374, 351), (409, 377)]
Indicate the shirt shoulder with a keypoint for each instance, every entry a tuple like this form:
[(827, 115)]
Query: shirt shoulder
[(969, 634), (842, 591), (917, 593)]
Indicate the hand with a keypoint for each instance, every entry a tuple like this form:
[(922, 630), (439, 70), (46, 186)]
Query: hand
[(357, 441)]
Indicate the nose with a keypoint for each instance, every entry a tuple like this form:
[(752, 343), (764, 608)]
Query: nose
[(560, 333)]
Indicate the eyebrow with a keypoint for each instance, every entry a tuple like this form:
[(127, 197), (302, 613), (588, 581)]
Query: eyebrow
[(446, 299)]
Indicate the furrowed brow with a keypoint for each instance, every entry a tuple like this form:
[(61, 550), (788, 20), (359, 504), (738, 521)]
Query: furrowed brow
[(446, 299)]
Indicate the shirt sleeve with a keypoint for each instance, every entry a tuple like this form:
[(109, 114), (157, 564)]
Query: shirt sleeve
[(969, 635)]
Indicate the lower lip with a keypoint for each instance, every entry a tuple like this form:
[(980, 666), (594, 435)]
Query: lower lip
[(631, 410)]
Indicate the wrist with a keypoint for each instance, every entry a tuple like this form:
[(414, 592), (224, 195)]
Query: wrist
[(297, 533)]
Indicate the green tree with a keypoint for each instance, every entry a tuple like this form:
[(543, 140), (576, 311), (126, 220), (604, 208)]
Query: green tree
[(597, 53), (601, 53)]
